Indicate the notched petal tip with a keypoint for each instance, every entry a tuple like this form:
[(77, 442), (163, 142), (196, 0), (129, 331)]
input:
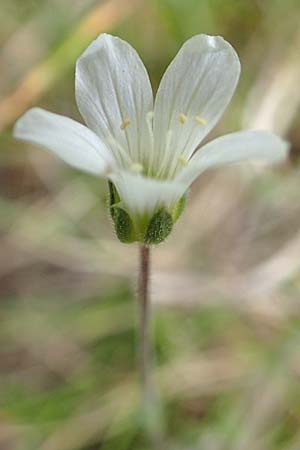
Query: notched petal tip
[(201, 42), (210, 43), (200, 94), (101, 40)]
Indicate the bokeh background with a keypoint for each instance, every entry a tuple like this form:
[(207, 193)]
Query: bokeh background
[(225, 286)]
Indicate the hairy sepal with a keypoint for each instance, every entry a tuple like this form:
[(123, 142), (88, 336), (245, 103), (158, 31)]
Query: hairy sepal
[(123, 224), (159, 227)]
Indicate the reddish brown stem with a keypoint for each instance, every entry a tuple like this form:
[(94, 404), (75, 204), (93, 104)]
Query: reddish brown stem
[(144, 323)]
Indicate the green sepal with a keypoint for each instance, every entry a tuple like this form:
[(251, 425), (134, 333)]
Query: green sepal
[(159, 228), (113, 195), (178, 208), (122, 222), (150, 231)]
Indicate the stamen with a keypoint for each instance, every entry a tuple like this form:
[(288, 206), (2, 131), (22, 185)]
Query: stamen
[(182, 160), (166, 155), (136, 168), (149, 121), (168, 140), (200, 120), (149, 116), (182, 118), (121, 151), (125, 124)]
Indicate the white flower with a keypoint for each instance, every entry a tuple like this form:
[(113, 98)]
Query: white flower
[(146, 148)]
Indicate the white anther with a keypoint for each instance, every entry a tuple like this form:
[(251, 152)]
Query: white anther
[(200, 120), (182, 118), (125, 124)]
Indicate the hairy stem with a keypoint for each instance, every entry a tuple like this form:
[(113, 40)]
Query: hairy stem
[(144, 326), (152, 414)]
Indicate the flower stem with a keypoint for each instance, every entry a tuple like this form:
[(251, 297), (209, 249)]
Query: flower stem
[(152, 414), (144, 327)]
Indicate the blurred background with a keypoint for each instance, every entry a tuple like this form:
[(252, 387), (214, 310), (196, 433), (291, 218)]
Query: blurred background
[(225, 286)]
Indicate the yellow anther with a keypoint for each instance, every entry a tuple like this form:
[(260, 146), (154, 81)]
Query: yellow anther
[(200, 120), (182, 160), (150, 115), (136, 168), (182, 118), (125, 124)]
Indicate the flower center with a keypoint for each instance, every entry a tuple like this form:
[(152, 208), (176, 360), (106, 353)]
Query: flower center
[(174, 161), (151, 162)]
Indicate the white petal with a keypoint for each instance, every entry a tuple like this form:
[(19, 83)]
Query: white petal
[(141, 195), (66, 138), (193, 94), (114, 94), (234, 148)]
